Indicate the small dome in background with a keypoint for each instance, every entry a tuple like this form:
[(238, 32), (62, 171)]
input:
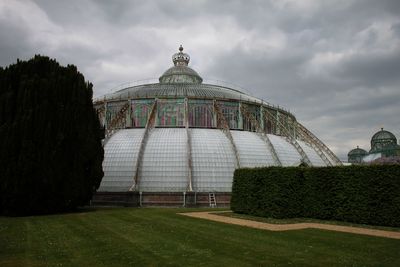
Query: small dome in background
[(383, 140), (383, 135), (357, 151), (356, 155)]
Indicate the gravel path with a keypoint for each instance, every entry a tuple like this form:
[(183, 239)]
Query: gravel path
[(295, 226)]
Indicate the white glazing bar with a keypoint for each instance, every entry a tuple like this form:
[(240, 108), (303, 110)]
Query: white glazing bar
[(188, 148)]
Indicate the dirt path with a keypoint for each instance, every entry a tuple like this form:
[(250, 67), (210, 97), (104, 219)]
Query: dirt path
[(295, 226)]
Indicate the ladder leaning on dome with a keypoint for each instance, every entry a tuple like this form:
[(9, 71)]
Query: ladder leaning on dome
[(261, 133), (289, 137)]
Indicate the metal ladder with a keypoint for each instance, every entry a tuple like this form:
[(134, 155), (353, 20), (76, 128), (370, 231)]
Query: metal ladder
[(212, 200), (290, 138), (261, 134)]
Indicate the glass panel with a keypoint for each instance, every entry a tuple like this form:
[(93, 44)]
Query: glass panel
[(230, 110), (140, 111), (287, 153), (111, 113), (255, 111), (315, 159), (213, 161), (170, 113), (165, 161), (269, 123), (252, 150), (201, 113), (120, 156)]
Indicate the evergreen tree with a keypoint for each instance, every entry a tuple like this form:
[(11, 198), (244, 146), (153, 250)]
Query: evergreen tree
[(50, 147)]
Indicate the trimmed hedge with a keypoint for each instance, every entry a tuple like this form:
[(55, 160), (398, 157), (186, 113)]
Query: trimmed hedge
[(359, 194)]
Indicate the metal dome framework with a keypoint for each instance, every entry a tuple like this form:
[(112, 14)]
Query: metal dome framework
[(356, 155), (204, 131), (383, 144), (382, 141)]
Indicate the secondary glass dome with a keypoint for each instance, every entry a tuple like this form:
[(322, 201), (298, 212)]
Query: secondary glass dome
[(356, 155), (385, 142)]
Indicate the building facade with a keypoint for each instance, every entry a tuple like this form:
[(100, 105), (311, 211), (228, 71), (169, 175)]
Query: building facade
[(179, 140)]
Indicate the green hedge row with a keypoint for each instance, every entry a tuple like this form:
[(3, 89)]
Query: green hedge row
[(359, 194)]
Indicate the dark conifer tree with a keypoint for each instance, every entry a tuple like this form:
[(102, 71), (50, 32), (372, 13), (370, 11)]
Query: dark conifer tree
[(50, 146)]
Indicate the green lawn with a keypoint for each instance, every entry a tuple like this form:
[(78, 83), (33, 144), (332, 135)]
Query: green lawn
[(160, 237)]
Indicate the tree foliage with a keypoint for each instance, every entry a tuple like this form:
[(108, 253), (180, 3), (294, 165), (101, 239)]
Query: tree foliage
[(50, 146)]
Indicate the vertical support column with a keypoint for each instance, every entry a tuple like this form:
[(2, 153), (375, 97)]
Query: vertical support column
[(128, 117), (240, 118), (262, 123), (215, 122), (105, 116), (278, 124), (188, 148), (156, 119), (294, 125)]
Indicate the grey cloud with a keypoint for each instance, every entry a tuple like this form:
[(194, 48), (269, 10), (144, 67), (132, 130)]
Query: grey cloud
[(372, 69), (334, 64)]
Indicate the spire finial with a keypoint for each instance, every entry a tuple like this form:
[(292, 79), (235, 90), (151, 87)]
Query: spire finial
[(180, 58), (381, 128)]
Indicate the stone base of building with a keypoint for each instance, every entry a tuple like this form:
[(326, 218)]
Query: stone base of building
[(158, 199)]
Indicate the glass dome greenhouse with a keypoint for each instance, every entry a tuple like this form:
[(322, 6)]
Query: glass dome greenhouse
[(180, 137)]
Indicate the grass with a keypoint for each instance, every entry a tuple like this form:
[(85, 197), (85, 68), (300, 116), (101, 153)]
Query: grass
[(303, 220), (160, 237)]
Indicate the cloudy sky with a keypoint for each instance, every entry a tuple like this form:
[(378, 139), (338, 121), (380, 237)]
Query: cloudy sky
[(334, 64)]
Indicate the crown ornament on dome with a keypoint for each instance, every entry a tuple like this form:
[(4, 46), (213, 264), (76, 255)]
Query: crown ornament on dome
[(180, 58)]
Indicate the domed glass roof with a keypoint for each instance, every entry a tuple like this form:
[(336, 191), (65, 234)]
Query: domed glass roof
[(383, 135), (357, 152), (382, 140), (183, 135), (180, 72)]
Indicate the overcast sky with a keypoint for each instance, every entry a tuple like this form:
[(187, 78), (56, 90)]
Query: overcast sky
[(334, 64)]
